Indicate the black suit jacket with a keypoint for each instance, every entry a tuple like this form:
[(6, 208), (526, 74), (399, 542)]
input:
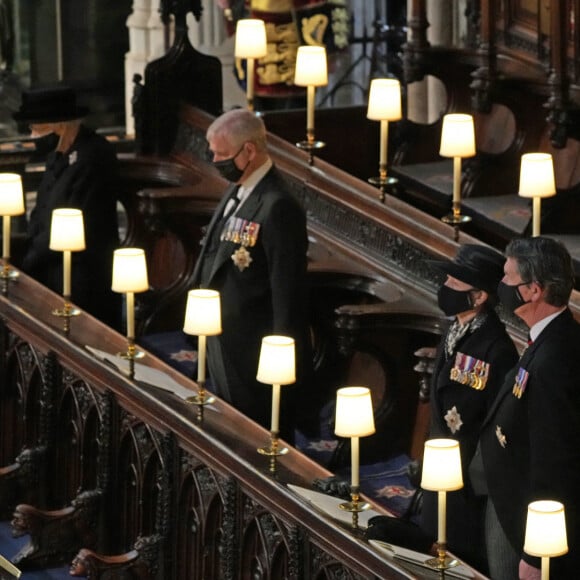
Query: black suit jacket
[(531, 444), (269, 296), (491, 344)]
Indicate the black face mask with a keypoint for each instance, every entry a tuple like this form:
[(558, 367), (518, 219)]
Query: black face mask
[(45, 144), (510, 296), (452, 301), (228, 169)]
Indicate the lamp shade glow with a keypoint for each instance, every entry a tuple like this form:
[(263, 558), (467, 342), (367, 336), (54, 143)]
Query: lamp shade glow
[(311, 68), (277, 364), (11, 195), (250, 39), (130, 270), (537, 175), (546, 529), (384, 100), (354, 412), (203, 313), (67, 230), (442, 465), (457, 136)]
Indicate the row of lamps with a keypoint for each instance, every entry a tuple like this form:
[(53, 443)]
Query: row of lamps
[(545, 534), (384, 105)]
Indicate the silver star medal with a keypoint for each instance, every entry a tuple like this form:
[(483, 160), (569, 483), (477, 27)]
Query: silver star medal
[(241, 258), (453, 419)]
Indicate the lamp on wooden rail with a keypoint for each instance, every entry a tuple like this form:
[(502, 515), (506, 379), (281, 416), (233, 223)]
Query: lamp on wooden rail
[(384, 105), (457, 141), (311, 72), (537, 181), (67, 235), (130, 276), (250, 43), (546, 532), (441, 473), (276, 367), (11, 204), (354, 419), (202, 319)]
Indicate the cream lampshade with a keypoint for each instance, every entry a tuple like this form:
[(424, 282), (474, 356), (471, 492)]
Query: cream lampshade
[(384, 105), (537, 181), (11, 204), (546, 532), (354, 419), (130, 276), (457, 136), (457, 141), (250, 43), (67, 234), (276, 366), (311, 72), (202, 318), (442, 473), (67, 230)]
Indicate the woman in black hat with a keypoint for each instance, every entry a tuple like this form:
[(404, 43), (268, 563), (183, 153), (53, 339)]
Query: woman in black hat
[(80, 173), (472, 359)]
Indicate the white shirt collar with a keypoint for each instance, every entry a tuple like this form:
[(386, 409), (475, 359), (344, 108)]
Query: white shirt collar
[(247, 187), (536, 330)]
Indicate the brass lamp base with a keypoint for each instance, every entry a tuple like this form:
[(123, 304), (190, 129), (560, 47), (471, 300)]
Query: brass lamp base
[(201, 399), (355, 506), (66, 313), (442, 562), (7, 275), (131, 354), (273, 451), (310, 145), (384, 184), (456, 219)]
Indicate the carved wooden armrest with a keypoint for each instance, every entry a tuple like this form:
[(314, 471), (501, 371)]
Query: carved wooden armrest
[(424, 367), (140, 563), (56, 535), (92, 565)]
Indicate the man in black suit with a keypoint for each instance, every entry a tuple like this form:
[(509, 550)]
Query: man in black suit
[(254, 254), (530, 440), (472, 359)]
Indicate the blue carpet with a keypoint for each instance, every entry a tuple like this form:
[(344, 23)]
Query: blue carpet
[(177, 349), (10, 546)]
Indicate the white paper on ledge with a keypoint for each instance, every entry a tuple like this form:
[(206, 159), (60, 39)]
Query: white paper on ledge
[(419, 559), (330, 505), (145, 374)]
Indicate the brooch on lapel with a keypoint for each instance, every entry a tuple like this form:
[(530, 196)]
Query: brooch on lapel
[(500, 436), (470, 371), (245, 233), (453, 419), (72, 158), (520, 383)]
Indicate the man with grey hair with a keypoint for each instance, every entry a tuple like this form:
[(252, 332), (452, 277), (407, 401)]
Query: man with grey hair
[(254, 254), (530, 440)]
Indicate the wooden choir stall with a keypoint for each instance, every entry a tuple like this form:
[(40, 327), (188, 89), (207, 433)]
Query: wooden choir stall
[(118, 475)]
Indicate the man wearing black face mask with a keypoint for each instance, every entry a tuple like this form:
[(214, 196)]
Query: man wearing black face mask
[(530, 441), (254, 254), (471, 362)]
